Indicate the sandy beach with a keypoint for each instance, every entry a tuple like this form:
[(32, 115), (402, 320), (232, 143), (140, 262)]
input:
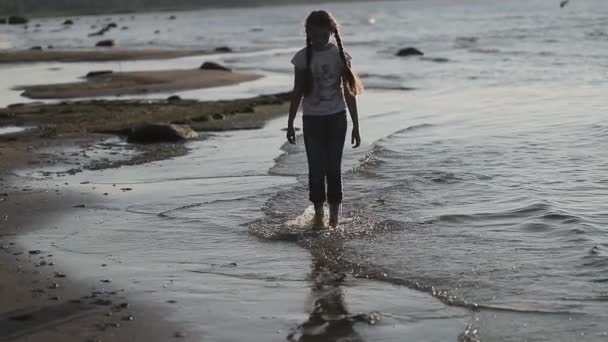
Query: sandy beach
[(143, 82)]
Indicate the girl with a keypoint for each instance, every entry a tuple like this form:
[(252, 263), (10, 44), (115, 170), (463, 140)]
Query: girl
[(324, 81)]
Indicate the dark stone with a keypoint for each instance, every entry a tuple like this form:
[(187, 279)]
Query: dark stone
[(155, 133), (80, 206), (68, 22), (203, 118), (35, 252), (157, 32), (98, 73), (172, 17), (36, 48), (105, 43), (409, 51), (111, 25), (124, 28), (17, 20), (218, 116), (223, 49), (174, 98), (213, 66)]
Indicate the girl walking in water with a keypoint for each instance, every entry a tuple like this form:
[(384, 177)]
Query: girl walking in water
[(325, 84)]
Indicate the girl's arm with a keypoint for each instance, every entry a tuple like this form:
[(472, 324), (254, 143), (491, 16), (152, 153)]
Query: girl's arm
[(351, 103), (296, 98)]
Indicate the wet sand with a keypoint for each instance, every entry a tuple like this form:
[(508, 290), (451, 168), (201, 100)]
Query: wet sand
[(38, 301), (93, 55), (41, 303), (141, 82)]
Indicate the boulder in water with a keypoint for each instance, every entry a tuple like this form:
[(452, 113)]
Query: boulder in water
[(213, 66), (223, 49), (409, 51), (17, 20), (98, 73), (36, 48), (68, 22), (156, 133), (105, 43), (174, 98)]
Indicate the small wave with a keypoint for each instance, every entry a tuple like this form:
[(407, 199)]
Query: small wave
[(435, 59), (512, 213), (485, 51), (536, 227), (465, 42), (390, 87), (380, 76)]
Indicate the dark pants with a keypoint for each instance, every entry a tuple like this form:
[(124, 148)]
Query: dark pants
[(324, 139)]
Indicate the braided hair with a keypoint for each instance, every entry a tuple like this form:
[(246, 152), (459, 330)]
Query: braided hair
[(326, 20)]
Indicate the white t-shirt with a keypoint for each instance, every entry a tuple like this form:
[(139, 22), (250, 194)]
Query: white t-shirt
[(327, 68)]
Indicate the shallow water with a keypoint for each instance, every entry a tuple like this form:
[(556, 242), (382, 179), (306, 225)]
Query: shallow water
[(483, 188)]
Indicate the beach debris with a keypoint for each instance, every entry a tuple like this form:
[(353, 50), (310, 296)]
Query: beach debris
[(103, 30), (107, 281), (113, 325), (80, 206), (68, 22), (54, 286), (54, 298), (105, 43), (171, 301), (563, 3), (409, 51), (213, 66), (174, 98), (59, 275), (96, 73), (223, 49), (123, 305), (128, 318), (160, 132)]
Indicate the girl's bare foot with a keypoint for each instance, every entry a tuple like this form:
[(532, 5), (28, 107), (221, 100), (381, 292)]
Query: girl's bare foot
[(317, 222)]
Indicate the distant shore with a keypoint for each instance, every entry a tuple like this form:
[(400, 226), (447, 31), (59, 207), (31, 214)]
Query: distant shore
[(92, 55)]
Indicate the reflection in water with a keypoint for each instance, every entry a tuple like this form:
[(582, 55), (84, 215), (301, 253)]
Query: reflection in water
[(329, 319)]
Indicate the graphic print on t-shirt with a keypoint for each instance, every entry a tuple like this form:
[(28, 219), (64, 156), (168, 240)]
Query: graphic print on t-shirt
[(324, 83)]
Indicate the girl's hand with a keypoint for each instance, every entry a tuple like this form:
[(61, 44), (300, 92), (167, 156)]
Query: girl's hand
[(355, 137), (291, 135)]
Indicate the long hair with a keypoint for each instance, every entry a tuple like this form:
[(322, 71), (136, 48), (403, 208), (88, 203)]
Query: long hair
[(325, 20)]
